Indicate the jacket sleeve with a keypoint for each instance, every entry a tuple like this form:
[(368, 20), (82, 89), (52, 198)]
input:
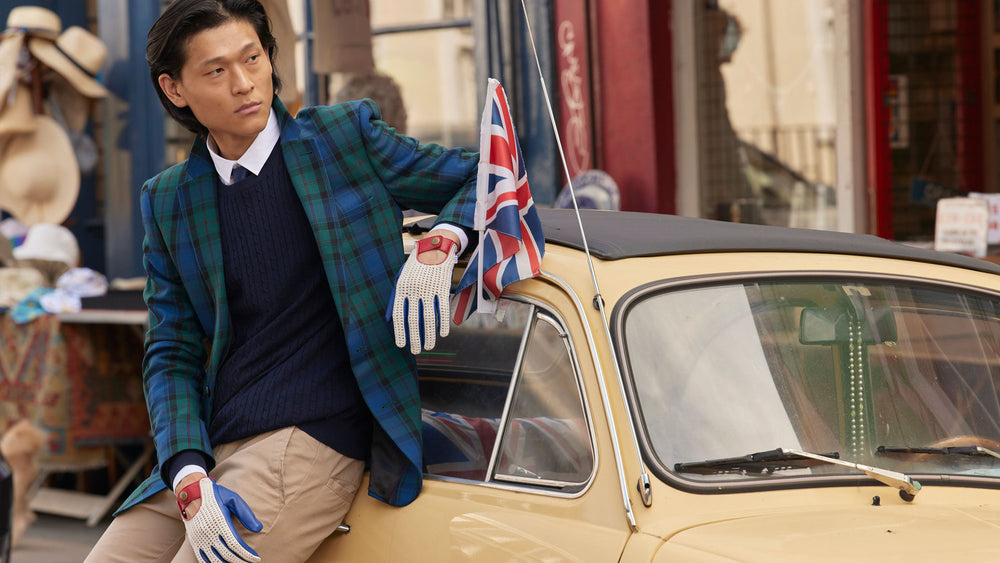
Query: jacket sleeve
[(428, 178), (173, 367)]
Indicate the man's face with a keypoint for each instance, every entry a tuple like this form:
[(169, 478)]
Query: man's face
[(226, 81)]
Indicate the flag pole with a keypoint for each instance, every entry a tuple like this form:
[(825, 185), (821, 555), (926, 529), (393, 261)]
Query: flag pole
[(644, 487)]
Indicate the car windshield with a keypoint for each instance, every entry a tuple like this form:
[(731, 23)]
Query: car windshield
[(863, 369)]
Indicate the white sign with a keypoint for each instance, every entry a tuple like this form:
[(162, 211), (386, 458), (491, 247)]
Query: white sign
[(993, 201), (961, 225)]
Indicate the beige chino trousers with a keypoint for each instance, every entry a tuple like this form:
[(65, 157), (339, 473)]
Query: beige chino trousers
[(299, 488)]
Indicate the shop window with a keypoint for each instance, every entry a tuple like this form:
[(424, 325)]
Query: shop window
[(427, 48), (766, 113)]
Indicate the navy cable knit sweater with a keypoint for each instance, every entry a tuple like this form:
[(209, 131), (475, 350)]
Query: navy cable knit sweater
[(287, 362)]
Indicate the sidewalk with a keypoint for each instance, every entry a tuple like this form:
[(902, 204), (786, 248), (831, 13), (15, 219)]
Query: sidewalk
[(55, 539)]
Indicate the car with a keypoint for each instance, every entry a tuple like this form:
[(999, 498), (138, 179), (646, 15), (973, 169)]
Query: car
[(706, 391)]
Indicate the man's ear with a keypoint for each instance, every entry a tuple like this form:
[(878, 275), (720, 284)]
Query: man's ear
[(170, 88)]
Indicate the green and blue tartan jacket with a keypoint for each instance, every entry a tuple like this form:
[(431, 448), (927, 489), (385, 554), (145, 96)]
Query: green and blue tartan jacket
[(353, 174)]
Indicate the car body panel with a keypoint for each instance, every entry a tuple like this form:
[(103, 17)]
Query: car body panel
[(607, 520), (830, 531)]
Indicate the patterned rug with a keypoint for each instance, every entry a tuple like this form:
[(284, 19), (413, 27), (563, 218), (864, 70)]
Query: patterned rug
[(81, 383)]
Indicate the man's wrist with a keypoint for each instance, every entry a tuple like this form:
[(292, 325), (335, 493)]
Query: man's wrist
[(453, 232), (184, 472), (187, 480), (435, 247)]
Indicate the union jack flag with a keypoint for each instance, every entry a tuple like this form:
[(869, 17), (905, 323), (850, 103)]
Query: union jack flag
[(511, 243)]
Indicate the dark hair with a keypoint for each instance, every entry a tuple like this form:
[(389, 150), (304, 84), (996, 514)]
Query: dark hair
[(166, 44)]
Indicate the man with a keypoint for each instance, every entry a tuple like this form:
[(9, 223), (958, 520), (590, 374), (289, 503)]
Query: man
[(271, 375)]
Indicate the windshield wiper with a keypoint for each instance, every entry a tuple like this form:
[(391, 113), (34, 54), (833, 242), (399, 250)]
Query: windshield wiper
[(784, 458), (950, 450), (759, 462)]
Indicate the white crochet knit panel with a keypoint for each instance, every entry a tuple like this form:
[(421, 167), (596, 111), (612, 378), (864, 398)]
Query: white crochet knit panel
[(211, 537)]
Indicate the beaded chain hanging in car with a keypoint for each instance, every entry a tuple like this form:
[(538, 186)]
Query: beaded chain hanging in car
[(855, 369)]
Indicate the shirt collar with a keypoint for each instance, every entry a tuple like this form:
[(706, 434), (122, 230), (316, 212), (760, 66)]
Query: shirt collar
[(255, 156)]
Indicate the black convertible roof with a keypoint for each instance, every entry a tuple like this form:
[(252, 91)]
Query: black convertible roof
[(613, 235)]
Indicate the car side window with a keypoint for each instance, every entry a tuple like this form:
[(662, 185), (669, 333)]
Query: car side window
[(521, 353), (546, 438), (464, 383)]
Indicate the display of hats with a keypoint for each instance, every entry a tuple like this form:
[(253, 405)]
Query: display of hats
[(594, 189), (77, 55), (53, 243), (39, 175)]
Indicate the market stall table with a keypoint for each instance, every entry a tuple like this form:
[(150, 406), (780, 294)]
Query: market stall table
[(77, 376)]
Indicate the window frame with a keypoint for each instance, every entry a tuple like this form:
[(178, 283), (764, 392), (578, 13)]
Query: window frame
[(540, 312)]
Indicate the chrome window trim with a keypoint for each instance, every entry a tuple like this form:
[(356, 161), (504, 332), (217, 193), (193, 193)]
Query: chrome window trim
[(558, 488), (669, 476), (515, 378), (541, 314), (599, 372)]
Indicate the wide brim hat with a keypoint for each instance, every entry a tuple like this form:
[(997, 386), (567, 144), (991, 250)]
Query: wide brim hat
[(39, 174), (77, 55), (34, 21)]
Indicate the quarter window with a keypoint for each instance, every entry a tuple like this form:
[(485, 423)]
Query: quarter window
[(513, 371)]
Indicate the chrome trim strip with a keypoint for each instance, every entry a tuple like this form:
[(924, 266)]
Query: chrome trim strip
[(604, 393), (514, 378)]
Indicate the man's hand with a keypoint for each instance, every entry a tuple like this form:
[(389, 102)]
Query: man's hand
[(192, 505), (210, 529), (420, 306)]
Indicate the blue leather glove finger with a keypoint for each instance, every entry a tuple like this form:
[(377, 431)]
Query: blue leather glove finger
[(239, 507)]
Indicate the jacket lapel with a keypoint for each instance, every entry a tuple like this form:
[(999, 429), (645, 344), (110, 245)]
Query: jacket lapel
[(309, 177), (200, 216)]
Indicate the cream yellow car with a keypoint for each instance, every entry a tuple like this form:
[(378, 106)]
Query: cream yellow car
[(748, 394)]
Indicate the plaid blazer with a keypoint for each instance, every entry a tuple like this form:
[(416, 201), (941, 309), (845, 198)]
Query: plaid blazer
[(353, 174)]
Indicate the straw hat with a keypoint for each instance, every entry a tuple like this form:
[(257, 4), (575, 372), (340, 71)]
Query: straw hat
[(39, 176), (17, 115), (77, 55), (46, 241), (23, 21), (34, 21)]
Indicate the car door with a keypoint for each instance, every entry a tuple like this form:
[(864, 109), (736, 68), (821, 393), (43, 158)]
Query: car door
[(511, 459)]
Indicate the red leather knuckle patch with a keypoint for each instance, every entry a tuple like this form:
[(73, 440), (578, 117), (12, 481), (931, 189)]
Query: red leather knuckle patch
[(436, 242)]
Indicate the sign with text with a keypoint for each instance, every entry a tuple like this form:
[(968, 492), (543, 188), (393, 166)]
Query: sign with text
[(993, 202), (573, 64), (961, 225)]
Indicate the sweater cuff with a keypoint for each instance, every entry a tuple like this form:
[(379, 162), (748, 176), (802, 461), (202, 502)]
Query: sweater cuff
[(182, 461)]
